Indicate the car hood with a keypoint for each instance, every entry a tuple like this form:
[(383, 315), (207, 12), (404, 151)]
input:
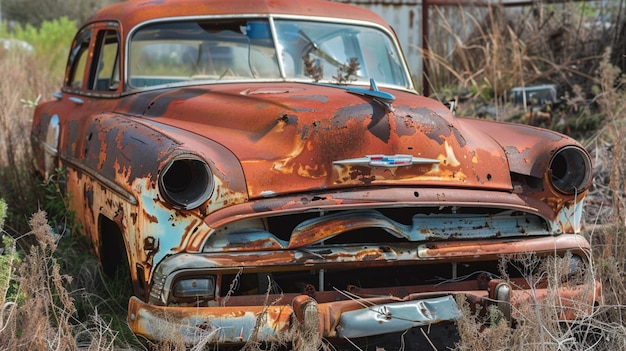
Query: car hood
[(293, 137)]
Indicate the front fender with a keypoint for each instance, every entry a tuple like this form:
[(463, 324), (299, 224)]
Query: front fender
[(528, 149)]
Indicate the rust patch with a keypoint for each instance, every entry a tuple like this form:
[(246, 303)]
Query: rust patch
[(378, 123)]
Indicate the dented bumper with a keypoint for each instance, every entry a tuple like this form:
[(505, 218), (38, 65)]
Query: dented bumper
[(291, 317), (343, 319), (353, 292)]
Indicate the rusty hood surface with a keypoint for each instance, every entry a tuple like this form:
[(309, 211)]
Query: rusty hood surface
[(292, 137)]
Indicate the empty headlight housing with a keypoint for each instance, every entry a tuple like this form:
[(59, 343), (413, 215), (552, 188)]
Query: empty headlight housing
[(186, 181), (570, 170)]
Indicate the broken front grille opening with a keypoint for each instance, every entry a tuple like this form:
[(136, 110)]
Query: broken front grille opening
[(283, 226), (373, 226), (403, 279), (366, 280), (371, 251)]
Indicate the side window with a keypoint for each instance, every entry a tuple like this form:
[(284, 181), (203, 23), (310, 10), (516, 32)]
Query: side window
[(78, 59), (106, 69)]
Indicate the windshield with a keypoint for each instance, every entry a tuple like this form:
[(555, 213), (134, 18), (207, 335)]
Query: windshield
[(244, 50)]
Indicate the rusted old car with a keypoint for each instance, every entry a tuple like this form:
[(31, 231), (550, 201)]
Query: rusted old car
[(267, 173)]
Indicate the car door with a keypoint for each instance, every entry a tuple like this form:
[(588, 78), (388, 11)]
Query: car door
[(91, 87)]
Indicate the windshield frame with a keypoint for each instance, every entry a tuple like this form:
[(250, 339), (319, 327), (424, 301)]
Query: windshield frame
[(271, 18)]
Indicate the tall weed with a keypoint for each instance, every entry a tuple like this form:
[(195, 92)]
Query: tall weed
[(48, 309), (8, 260), (538, 324), (23, 82)]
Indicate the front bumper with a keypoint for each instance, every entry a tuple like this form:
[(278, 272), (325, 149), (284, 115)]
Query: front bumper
[(300, 318)]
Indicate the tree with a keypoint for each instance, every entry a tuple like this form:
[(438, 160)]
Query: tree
[(35, 12)]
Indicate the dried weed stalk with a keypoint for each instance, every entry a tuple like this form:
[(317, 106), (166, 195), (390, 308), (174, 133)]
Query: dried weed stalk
[(43, 315), (540, 323), (20, 87), (43, 320)]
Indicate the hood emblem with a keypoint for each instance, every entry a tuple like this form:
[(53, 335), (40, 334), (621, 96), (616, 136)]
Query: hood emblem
[(398, 160)]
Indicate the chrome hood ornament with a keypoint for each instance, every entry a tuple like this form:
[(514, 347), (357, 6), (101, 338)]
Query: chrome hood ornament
[(383, 98)]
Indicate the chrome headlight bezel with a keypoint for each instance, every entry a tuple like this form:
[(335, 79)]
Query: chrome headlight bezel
[(570, 170), (186, 181)]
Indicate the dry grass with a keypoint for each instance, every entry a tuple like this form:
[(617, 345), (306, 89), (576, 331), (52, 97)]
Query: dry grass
[(500, 53), (539, 325), (40, 312), (43, 319), (42, 307), (479, 54), (21, 85)]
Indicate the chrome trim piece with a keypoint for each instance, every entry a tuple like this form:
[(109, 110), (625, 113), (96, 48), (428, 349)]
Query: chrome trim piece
[(397, 317), (77, 101)]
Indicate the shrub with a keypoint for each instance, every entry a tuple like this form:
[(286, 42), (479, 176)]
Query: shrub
[(35, 12), (51, 42)]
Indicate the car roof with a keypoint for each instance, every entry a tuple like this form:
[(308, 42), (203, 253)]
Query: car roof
[(132, 12)]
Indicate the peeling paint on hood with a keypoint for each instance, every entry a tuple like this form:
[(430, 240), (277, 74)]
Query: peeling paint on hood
[(288, 136)]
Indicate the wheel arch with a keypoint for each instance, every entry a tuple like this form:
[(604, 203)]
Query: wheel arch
[(114, 256)]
